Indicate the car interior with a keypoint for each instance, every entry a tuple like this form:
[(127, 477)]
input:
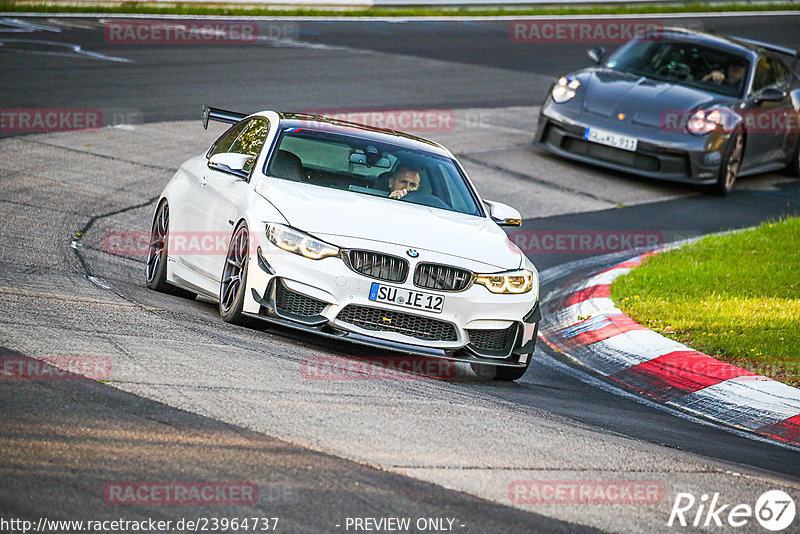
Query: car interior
[(364, 169)]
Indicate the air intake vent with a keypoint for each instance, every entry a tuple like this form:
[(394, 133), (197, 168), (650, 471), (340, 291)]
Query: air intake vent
[(296, 303), (403, 323)]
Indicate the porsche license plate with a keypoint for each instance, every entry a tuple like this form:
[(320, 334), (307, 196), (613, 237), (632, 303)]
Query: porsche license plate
[(610, 139), (406, 297)]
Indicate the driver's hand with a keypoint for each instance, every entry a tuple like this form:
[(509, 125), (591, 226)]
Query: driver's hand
[(715, 76), (400, 193)]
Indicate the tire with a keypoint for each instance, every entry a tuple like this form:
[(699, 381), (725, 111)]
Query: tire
[(233, 283), (157, 254), (500, 374), (730, 164)]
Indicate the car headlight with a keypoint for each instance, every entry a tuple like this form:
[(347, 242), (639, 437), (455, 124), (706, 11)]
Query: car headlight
[(564, 89), (300, 243), (702, 122), (520, 281)]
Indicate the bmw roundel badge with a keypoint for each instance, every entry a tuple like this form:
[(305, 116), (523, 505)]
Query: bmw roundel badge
[(413, 253)]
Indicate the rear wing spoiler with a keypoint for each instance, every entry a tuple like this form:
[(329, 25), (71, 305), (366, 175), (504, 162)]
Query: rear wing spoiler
[(220, 115), (771, 47)]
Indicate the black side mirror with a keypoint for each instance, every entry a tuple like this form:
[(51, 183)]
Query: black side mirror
[(596, 54), (771, 94)]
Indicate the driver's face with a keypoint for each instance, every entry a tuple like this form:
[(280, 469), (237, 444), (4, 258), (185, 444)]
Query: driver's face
[(404, 179), (735, 72)]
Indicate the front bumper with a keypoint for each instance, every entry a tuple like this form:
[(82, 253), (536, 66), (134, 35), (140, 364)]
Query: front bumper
[(328, 298), (674, 156)]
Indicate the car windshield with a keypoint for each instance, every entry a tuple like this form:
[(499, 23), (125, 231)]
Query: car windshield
[(683, 63), (368, 167)]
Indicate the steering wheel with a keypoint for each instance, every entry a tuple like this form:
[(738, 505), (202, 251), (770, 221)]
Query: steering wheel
[(426, 199), (675, 69)]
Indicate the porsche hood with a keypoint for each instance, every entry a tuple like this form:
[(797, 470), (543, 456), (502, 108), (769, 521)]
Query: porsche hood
[(643, 100)]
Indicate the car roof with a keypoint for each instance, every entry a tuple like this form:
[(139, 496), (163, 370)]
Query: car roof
[(720, 42), (381, 135)]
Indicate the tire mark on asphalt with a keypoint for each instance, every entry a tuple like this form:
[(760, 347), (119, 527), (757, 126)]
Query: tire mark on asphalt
[(76, 245), (95, 154), (529, 178)]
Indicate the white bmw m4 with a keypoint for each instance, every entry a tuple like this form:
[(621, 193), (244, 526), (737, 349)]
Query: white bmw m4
[(362, 234)]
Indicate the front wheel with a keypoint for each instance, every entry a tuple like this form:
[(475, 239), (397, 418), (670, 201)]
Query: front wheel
[(729, 167), (234, 277), (157, 253)]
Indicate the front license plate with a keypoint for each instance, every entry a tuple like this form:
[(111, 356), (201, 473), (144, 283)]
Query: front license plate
[(406, 297), (610, 138)]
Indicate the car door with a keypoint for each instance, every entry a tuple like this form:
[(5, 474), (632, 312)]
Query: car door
[(788, 113), (225, 194), (196, 201), (765, 120)]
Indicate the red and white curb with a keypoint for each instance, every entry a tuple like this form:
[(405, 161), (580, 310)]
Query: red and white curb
[(583, 322)]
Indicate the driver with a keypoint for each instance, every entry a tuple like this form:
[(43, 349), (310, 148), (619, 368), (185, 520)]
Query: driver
[(403, 181), (736, 70)]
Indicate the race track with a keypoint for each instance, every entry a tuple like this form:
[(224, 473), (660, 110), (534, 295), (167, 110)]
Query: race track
[(193, 398)]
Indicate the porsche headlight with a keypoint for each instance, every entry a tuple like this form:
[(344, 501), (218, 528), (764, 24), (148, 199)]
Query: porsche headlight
[(300, 243), (517, 282), (564, 89), (702, 122)]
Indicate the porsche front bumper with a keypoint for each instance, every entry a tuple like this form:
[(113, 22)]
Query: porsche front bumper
[(674, 156)]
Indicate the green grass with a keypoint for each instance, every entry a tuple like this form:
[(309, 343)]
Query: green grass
[(168, 8), (735, 297)]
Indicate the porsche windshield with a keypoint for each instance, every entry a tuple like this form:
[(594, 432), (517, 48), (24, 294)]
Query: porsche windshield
[(364, 166), (683, 63)]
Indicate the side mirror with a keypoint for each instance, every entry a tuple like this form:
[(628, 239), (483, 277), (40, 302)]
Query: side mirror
[(771, 94), (237, 164), (596, 54), (503, 214)]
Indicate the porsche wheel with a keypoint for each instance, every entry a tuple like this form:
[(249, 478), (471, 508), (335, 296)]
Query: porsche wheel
[(157, 253), (234, 277), (731, 162)]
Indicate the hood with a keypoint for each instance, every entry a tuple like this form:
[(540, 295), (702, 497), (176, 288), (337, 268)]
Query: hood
[(333, 212), (644, 101)]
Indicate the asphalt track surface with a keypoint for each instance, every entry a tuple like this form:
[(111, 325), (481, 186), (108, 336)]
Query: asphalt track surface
[(195, 399)]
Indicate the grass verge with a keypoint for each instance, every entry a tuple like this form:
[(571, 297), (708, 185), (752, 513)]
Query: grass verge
[(735, 297), (168, 8)]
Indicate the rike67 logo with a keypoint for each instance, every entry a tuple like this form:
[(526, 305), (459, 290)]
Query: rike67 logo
[(774, 510)]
